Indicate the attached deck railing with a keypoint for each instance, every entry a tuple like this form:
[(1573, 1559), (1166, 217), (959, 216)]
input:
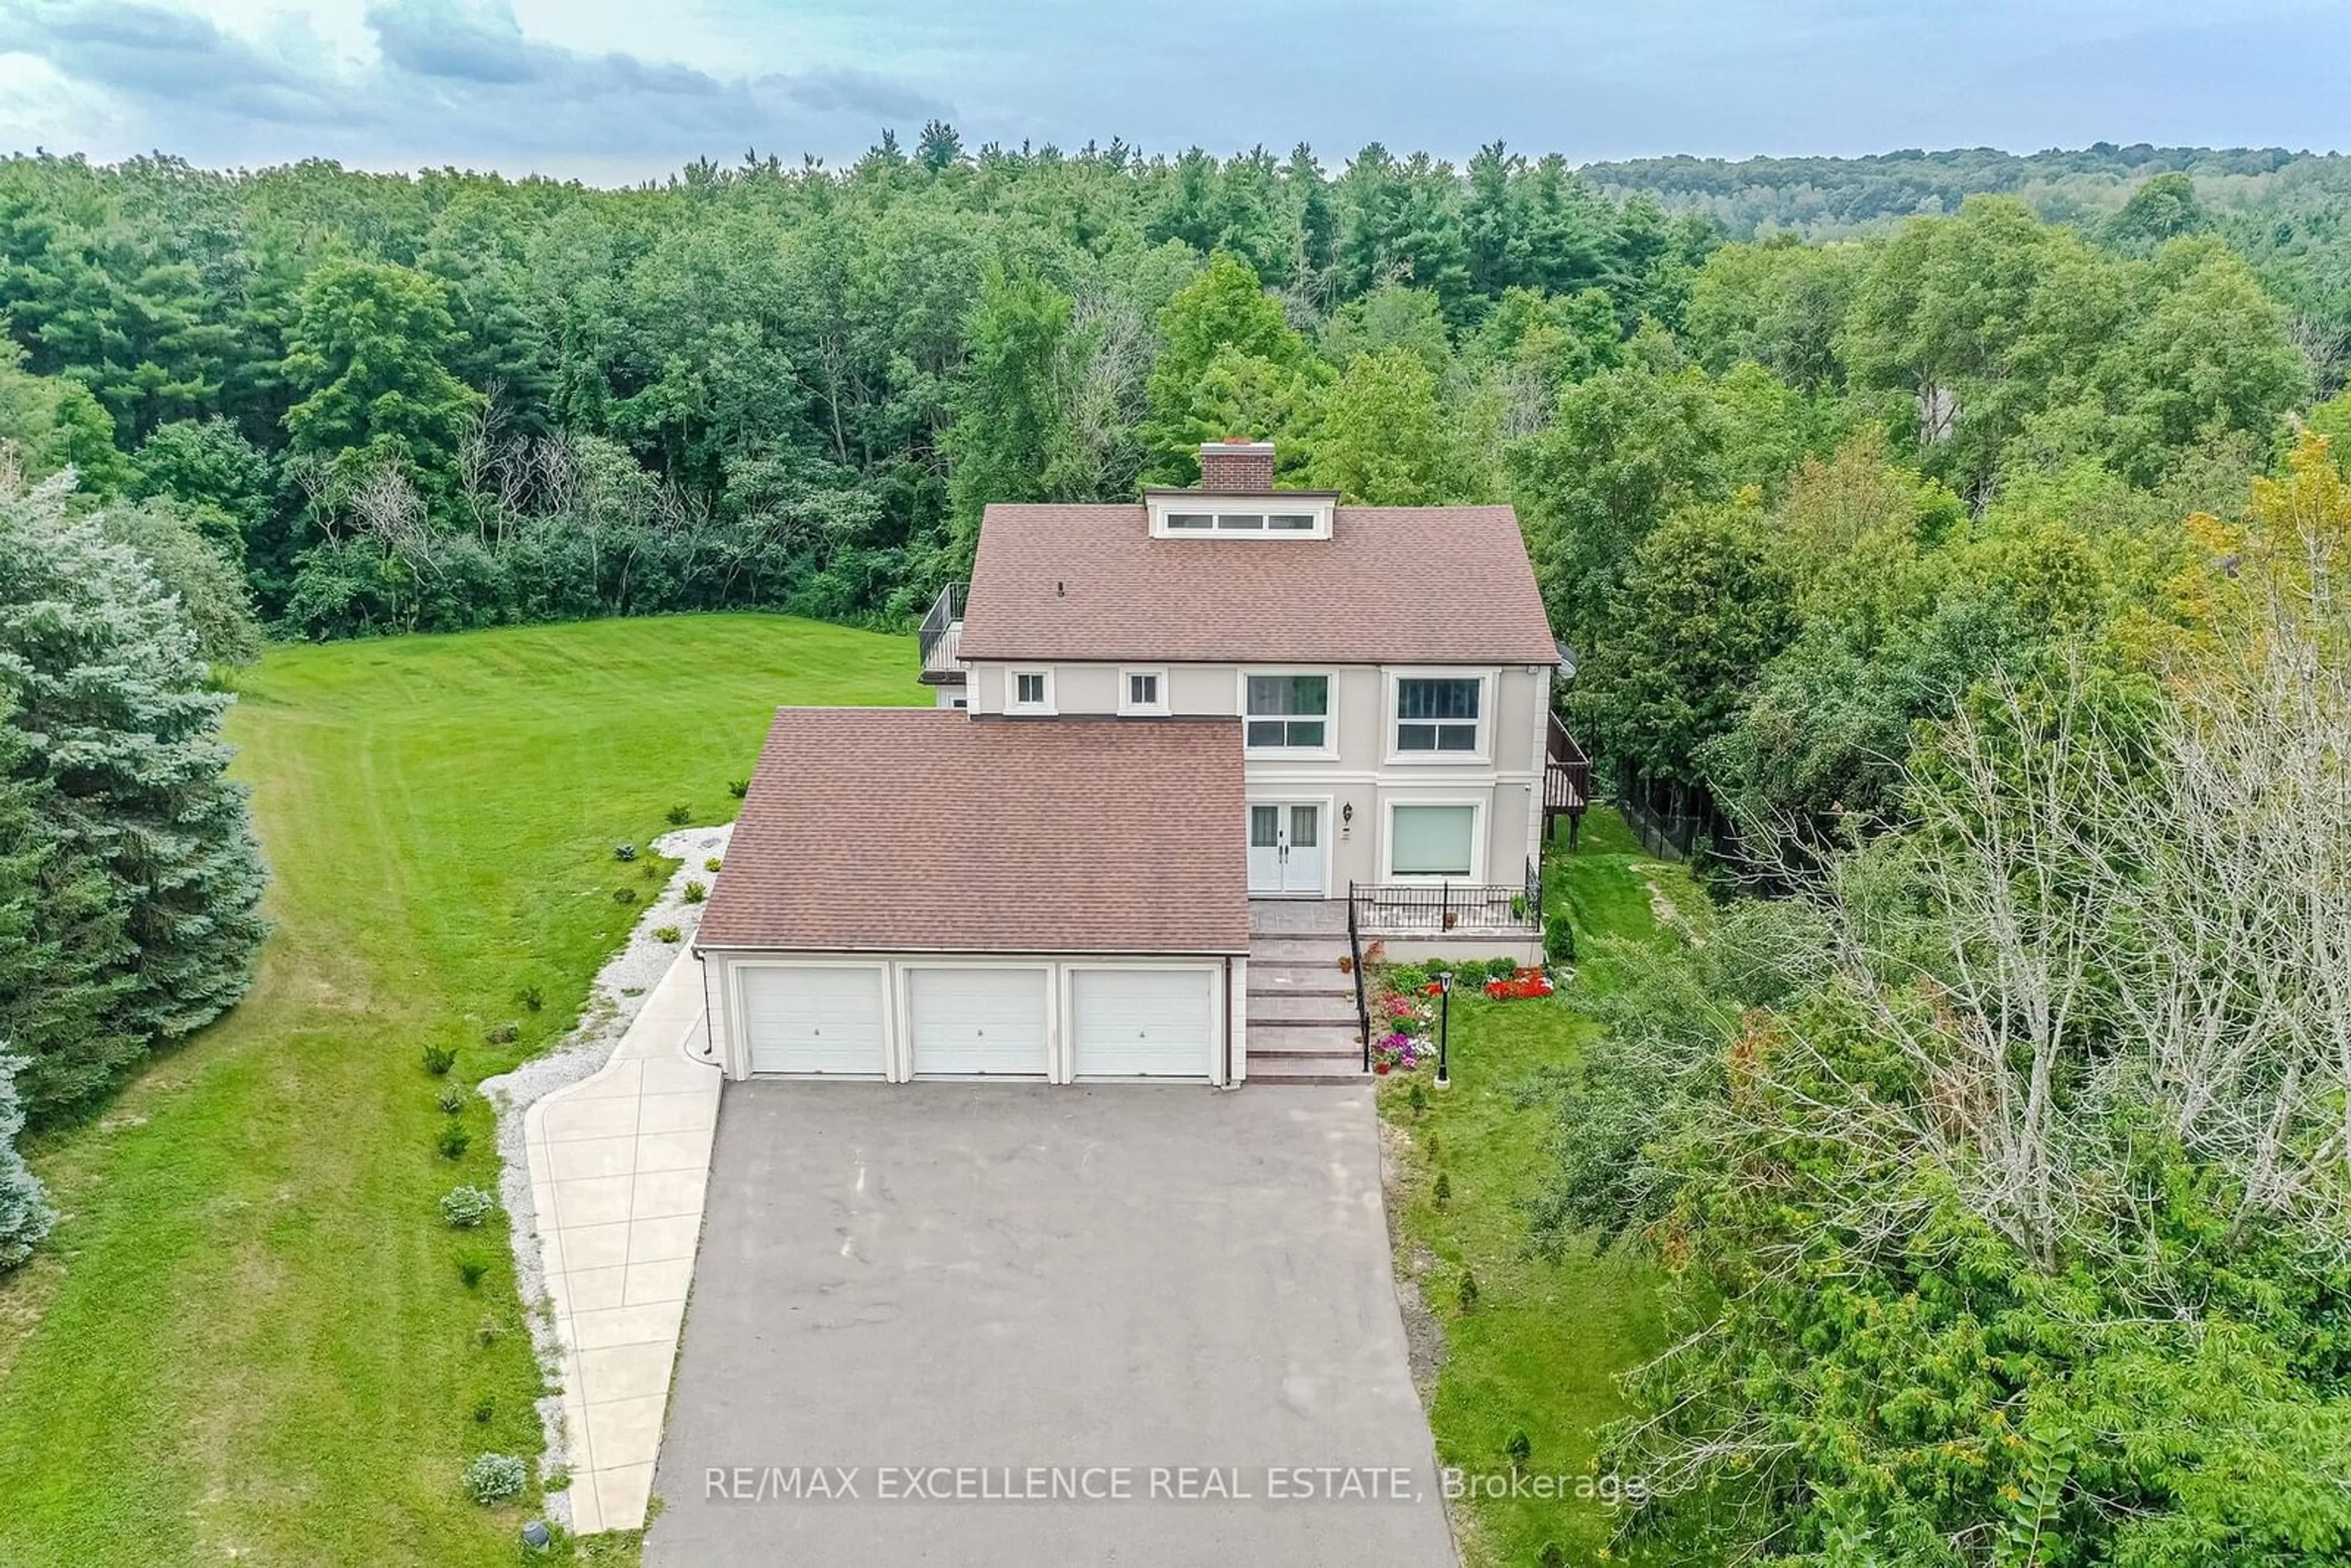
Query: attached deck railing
[(939, 626), (1567, 781), (1449, 908)]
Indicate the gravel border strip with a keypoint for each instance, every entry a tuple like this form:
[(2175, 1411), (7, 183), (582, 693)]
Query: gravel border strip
[(613, 1002)]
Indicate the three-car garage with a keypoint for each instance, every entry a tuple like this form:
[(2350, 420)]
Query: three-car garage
[(915, 894), (905, 1018)]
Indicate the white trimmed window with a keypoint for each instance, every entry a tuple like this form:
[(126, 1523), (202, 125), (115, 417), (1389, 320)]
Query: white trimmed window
[(1433, 841), (1439, 715), (1287, 713), (1029, 691), (1142, 691)]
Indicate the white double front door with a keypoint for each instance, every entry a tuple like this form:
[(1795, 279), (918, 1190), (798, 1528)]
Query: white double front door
[(1285, 847)]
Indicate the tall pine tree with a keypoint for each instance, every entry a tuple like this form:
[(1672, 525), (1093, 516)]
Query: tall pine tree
[(118, 740)]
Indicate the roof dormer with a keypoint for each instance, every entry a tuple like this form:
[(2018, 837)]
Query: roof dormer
[(1237, 501)]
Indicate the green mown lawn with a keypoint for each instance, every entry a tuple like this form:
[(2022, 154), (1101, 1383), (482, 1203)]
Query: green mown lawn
[(1539, 1352), (248, 1340)]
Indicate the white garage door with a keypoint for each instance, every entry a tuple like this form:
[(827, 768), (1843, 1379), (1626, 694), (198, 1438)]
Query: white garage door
[(973, 1022), (1141, 1023), (813, 1020)]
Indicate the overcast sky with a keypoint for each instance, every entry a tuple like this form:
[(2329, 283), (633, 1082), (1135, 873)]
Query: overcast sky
[(612, 92)]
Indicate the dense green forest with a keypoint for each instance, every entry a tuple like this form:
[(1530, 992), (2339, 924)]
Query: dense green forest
[(1981, 569)]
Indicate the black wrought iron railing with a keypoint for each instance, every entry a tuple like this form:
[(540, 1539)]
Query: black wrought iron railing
[(1363, 997), (944, 611), (1449, 908)]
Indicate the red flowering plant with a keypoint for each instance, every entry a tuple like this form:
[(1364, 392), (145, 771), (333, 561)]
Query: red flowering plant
[(1524, 984)]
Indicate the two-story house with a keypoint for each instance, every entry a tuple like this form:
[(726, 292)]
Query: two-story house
[(1186, 754)]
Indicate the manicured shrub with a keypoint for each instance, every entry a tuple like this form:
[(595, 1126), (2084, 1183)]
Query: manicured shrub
[(471, 1268), (624, 895), (1519, 1449), (667, 934), (439, 1060), (467, 1206), (739, 788), (504, 1034), (1558, 940), (713, 863), (679, 816), (624, 852), (1441, 1193), (1416, 1098), (1501, 969), (453, 1139), (452, 1100), (697, 892), (1467, 1294), (493, 1479), (531, 998), (24, 1212), (484, 1408)]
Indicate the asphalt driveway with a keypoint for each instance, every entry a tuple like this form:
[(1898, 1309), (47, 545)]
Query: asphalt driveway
[(1027, 1324)]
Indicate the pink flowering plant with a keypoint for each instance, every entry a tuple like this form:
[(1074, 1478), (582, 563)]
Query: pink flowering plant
[(1403, 1021)]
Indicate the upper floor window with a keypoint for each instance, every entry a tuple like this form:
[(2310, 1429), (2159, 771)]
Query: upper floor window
[(1288, 713), (1032, 691), (1436, 715), (1142, 691)]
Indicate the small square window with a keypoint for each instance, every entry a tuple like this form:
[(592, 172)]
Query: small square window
[(1031, 689), (1142, 691)]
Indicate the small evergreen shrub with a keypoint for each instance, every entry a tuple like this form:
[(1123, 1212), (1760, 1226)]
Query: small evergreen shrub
[(493, 1479), (624, 895), (452, 1100), (471, 1268), (439, 1060), (467, 1206), (1519, 1449), (624, 852), (739, 788), (26, 1215), (1467, 1294), (1416, 1098), (667, 934), (713, 863), (454, 1140), (1558, 940), (652, 871), (1442, 1193), (484, 1408), (505, 1034), (695, 891), (531, 998), (679, 816)]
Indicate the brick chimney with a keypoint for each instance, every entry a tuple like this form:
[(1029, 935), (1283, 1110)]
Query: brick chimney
[(1237, 466)]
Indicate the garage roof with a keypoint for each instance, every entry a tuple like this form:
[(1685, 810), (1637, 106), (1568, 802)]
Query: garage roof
[(926, 830)]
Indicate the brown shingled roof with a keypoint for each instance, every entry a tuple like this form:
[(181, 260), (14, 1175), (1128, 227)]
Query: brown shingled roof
[(926, 829), (1392, 584)]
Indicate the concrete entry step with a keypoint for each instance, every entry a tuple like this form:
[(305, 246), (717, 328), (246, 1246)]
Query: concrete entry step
[(1300, 980), (1317, 1068), (1282, 1010), (1310, 951)]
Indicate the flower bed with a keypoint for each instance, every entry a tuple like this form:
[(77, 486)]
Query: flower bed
[(1524, 984)]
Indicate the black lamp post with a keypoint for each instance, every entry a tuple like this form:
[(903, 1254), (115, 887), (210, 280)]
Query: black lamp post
[(1443, 1025)]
